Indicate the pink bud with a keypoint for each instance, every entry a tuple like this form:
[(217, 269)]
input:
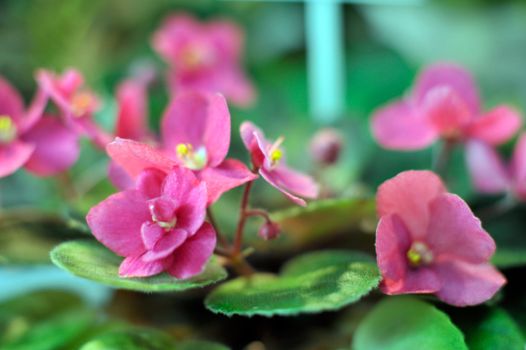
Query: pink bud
[(326, 145), (269, 230)]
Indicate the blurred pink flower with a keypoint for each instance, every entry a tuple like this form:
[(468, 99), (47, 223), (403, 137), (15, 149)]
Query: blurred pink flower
[(491, 174), (429, 241), (444, 103), (204, 57), (75, 103), (195, 134), (158, 226), (269, 159), (42, 144)]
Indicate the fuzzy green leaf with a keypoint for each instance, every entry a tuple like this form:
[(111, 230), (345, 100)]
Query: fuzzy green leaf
[(495, 331), (311, 283), (407, 324), (91, 260), (131, 339)]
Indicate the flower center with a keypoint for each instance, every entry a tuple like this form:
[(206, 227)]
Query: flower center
[(195, 57), (419, 254), (275, 153), (161, 216), (81, 103), (7, 129), (192, 159)]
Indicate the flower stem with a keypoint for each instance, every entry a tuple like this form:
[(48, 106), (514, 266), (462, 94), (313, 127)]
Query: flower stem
[(258, 212), (222, 239), (441, 162), (238, 240)]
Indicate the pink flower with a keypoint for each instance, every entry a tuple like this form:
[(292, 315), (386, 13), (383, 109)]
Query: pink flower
[(429, 241), (491, 174), (269, 159), (158, 226), (204, 57), (195, 135), (75, 102), (42, 144), (444, 103)]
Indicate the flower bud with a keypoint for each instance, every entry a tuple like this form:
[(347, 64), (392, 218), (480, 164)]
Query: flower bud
[(269, 230), (326, 145)]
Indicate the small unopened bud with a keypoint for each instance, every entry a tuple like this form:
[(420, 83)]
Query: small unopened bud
[(269, 230), (326, 146)]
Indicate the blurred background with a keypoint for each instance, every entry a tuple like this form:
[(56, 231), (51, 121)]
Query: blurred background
[(381, 45)]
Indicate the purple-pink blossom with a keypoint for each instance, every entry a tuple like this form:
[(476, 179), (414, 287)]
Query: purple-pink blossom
[(204, 57), (444, 103), (269, 159), (157, 226), (40, 143), (429, 241)]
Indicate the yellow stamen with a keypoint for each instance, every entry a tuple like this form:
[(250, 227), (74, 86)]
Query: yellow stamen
[(192, 159), (276, 155), (183, 149), (414, 257), (7, 129), (81, 102), (419, 254)]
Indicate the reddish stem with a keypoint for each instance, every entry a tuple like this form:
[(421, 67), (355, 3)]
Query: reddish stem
[(238, 240)]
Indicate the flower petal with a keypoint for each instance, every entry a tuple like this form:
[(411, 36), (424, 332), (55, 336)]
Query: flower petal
[(452, 76), (149, 182), (175, 32), (13, 156), (191, 257), (248, 133), (275, 180), (227, 39), (455, 233), (200, 119), (11, 103), (137, 267), (190, 194), (497, 126), (116, 222), (235, 86), (56, 147), (468, 284), (119, 177), (446, 111), (400, 126), (151, 233), (135, 156), (408, 195), (392, 243), (132, 117), (166, 244), (226, 176), (488, 171), (518, 166)]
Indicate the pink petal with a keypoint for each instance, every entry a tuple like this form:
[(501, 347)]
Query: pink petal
[(235, 86), (518, 166), (88, 127), (227, 38), (35, 111), (190, 258), (132, 117), (400, 126), (468, 284), (298, 183), (182, 186), (175, 32), (200, 119), (135, 156), (275, 180), (455, 233), (452, 76), (408, 195), (56, 147), (13, 156), (497, 126), (119, 177), (137, 267), (248, 133), (149, 182), (392, 243), (59, 88), (11, 103), (167, 243), (448, 113), (226, 176), (151, 233), (488, 171), (116, 222)]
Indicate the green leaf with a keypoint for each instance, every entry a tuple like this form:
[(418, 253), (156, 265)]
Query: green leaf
[(27, 237), (308, 225), (131, 339), (53, 333), (495, 331), (311, 283), (91, 260), (407, 324)]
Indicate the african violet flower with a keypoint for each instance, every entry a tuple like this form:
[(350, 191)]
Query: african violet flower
[(195, 134), (269, 159), (429, 241), (204, 57), (157, 226), (444, 104), (489, 172), (42, 144), (75, 102)]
